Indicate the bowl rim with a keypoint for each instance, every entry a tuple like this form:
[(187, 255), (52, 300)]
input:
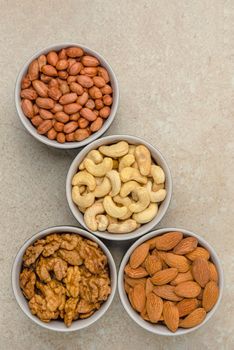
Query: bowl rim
[(76, 144), (144, 228), (15, 275), (123, 297)]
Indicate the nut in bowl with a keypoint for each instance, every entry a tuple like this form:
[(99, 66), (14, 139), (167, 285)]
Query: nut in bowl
[(66, 95), (170, 281), (119, 187), (64, 279)]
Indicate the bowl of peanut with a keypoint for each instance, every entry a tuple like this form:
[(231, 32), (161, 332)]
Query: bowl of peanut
[(170, 281), (64, 278), (66, 95), (119, 187)]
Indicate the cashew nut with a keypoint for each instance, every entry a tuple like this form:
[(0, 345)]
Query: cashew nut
[(102, 222), (143, 158), (126, 201), (82, 189), (83, 201), (115, 151), (90, 216), (131, 149), (94, 155), (128, 187), (157, 196), (103, 189), (82, 210), (112, 209), (98, 169), (135, 165), (129, 173), (84, 178), (115, 181), (123, 226), (146, 215), (111, 219), (157, 187), (127, 160), (143, 200), (99, 180), (158, 174)]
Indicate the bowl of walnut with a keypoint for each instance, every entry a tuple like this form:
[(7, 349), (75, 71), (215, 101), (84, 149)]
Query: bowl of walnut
[(66, 95), (64, 278)]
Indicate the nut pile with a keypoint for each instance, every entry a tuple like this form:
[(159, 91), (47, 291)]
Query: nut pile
[(64, 276), (67, 94), (118, 187), (170, 280)]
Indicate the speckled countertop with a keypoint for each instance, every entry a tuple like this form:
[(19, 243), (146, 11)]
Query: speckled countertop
[(174, 61)]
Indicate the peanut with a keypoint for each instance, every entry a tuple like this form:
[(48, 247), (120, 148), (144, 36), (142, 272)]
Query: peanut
[(49, 70), (105, 112), (27, 108), (46, 103), (52, 58), (68, 98), (81, 134), (96, 125), (88, 114), (72, 108), (85, 81), (61, 117), (70, 127), (45, 126), (51, 134), (61, 137)]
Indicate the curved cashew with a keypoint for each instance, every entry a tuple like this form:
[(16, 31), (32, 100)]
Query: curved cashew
[(103, 189), (126, 201), (98, 169), (82, 189), (83, 201), (127, 160), (84, 178), (143, 158), (115, 151), (99, 180), (157, 196), (146, 215), (82, 209), (135, 165), (111, 219), (157, 187), (143, 200), (123, 227), (115, 181), (115, 164), (129, 173), (112, 209), (90, 216), (158, 174), (131, 149), (102, 222), (94, 155), (128, 187)]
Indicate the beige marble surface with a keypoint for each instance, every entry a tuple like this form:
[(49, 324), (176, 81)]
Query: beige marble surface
[(174, 61)]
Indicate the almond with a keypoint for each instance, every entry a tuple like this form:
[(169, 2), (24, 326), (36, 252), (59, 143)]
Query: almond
[(151, 242), (154, 307), (168, 241), (130, 298), (126, 287), (164, 276), (181, 263), (153, 264), (135, 273), (148, 286), (139, 254), (210, 295), (199, 252), (139, 297), (134, 281), (166, 292), (193, 319), (213, 272), (189, 289), (186, 306), (187, 245), (144, 315), (200, 295), (171, 316), (182, 277), (201, 271)]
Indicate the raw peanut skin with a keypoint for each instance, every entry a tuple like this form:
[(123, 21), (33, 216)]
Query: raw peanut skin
[(62, 64), (63, 86), (70, 137), (99, 103), (62, 54), (107, 99), (75, 117), (52, 58), (90, 104), (27, 108), (96, 125), (77, 88), (41, 61), (57, 108), (26, 82), (74, 52), (63, 74), (90, 61), (61, 137), (71, 79), (45, 78), (72, 108), (70, 127), (83, 123), (37, 120), (41, 88), (75, 68), (88, 114), (68, 98), (99, 82), (58, 126), (106, 90), (61, 117), (46, 103), (89, 71), (105, 112), (49, 70), (53, 83), (45, 114), (81, 134), (82, 100), (51, 134), (44, 127), (33, 70), (102, 72), (35, 109), (54, 93), (95, 92), (29, 94), (85, 81)]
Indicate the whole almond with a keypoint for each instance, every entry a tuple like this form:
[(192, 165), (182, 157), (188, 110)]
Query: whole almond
[(210, 295), (88, 114), (166, 292), (72, 108), (133, 281), (68, 98), (37, 120), (186, 306), (46, 103), (29, 94), (85, 81), (40, 88), (153, 264), (144, 314), (171, 316), (139, 254), (55, 93), (33, 70), (154, 307), (62, 64), (27, 108), (168, 241), (105, 112), (201, 271), (89, 71), (213, 272), (152, 242), (102, 72), (193, 319), (134, 273), (45, 114), (187, 245), (49, 70), (74, 52), (70, 127), (41, 61), (96, 125), (45, 126), (75, 68), (61, 117), (127, 288), (89, 61), (148, 286), (139, 297), (199, 252), (131, 298), (99, 82), (189, 289), (52, 58), (164, 276), (181, 263), (81, 134), (182, 277)]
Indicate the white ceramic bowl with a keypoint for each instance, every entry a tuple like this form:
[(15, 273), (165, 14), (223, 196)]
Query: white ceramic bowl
[(156, 155), (55, 325), (67, 145), (161, 329)]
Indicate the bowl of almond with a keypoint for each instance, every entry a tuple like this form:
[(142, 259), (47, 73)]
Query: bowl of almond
[(170, 281)]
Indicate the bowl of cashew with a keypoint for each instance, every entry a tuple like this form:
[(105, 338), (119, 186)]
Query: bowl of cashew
[(119, 187)]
